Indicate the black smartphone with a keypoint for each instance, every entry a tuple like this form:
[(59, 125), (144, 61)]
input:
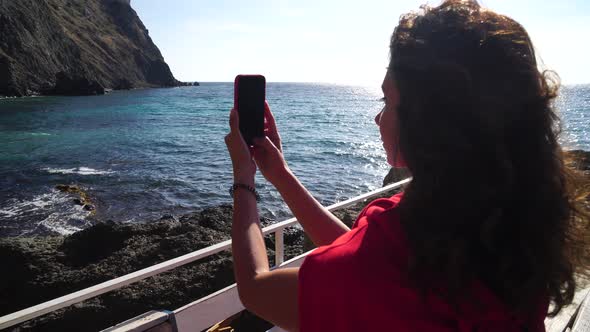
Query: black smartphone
[(249, 97)]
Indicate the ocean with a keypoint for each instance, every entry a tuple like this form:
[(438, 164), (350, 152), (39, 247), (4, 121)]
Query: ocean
[(144, 154)]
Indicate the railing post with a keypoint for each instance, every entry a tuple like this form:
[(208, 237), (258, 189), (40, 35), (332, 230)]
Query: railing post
[(279, 247)]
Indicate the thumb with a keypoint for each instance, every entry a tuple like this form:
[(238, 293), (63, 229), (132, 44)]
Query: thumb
[(234, 121)]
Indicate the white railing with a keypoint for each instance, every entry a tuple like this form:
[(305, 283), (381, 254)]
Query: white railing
[(214, 308), (107, 286)]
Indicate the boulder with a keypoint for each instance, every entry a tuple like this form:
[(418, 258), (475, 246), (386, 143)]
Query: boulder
[(395, 175)]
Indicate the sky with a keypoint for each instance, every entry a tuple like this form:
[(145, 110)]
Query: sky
[(333, 41)]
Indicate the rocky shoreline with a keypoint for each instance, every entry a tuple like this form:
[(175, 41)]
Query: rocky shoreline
[(43, 268)]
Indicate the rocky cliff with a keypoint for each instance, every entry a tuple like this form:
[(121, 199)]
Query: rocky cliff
[(76, 47)]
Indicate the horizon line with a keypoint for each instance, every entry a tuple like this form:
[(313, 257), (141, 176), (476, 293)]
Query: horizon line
[(341, 83)]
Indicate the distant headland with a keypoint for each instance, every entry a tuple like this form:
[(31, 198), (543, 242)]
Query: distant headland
[(77, 47)]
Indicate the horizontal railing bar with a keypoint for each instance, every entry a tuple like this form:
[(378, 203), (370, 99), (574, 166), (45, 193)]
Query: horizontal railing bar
[(142, 322), (205, 312), (341, 205), (107, 286), (113, 284)]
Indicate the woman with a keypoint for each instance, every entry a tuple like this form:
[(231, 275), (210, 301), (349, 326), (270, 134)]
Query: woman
[(483, 237)]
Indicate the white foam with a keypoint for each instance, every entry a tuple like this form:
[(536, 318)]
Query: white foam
[(56, 222), (16, 208), (79, 170), (8, 213), (62, 216)]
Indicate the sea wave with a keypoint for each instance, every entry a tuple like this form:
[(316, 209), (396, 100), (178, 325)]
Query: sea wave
[(78, 170), (16, 208), (52, 212), (56, 223)]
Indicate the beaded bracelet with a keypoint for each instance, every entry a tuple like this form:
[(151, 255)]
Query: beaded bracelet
[(244, 186)]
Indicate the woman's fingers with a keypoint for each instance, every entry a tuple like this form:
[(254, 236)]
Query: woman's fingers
[(241, 156), (269, 117), (234, 139), (234, 126), (264, 144), (271, 130)]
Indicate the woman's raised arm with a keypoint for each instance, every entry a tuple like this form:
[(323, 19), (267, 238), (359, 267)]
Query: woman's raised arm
[(319, 223), (257, 285)]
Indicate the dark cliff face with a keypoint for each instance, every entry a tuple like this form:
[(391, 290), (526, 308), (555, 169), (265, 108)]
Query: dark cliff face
[(76, 47)]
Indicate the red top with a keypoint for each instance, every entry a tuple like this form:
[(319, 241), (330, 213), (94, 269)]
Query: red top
[(359, 283)]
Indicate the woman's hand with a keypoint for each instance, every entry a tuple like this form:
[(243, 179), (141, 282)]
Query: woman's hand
[(243, 165), (268, 151)]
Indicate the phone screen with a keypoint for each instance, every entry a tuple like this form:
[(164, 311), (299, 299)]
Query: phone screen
[(250, 99)]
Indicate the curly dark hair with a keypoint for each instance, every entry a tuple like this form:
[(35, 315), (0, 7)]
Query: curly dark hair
[(489, 198)]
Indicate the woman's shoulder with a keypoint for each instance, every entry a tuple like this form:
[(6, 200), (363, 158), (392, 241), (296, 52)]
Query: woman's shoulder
[(376, 231), (377, 209)]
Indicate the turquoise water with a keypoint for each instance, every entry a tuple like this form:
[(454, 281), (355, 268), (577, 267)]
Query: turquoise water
[(143, 154)]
